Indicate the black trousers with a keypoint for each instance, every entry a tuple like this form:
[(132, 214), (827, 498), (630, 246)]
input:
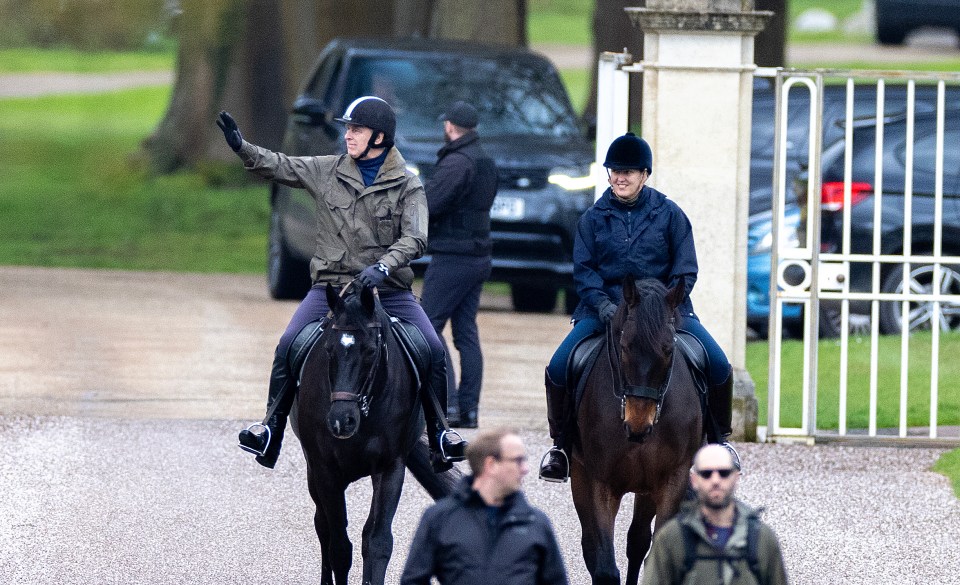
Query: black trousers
[(451, 292)]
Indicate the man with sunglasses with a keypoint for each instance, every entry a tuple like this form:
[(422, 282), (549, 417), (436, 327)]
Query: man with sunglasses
[(487, 528), (718, 539)]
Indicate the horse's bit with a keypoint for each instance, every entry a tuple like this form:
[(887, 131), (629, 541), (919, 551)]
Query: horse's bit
[(363, 397)]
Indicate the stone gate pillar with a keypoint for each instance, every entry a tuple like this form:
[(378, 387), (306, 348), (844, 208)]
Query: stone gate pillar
[(697, 97)]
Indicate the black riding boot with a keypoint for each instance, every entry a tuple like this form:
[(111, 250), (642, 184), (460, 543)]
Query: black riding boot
[(453, 402), (555, 465), (264, 439), (720, 405), (446, 446)]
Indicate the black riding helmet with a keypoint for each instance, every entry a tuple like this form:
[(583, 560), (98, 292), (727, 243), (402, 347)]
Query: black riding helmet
[(629, 152), (374, 113)]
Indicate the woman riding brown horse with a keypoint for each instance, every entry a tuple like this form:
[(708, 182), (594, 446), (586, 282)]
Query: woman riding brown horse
[(639, 425)]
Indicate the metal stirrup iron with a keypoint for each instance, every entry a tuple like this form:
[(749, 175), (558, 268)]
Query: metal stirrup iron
[(265, 446), (443, 453), (733, 455), (566, 459)]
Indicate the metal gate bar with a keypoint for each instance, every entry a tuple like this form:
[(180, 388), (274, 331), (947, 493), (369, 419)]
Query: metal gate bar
[(809, 255)]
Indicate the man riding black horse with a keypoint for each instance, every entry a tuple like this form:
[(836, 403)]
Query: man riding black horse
[(371, 222)]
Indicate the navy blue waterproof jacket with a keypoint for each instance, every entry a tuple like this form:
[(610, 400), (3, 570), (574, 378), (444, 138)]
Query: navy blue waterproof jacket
[(460, 542), (460, 192), (651, 239)]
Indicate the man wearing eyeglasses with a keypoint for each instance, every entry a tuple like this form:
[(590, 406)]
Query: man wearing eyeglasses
[(718, 539), (487, 528)]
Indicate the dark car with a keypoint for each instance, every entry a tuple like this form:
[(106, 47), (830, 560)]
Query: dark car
[(527, 126), (896, 18), (893, 213), (797, 147)]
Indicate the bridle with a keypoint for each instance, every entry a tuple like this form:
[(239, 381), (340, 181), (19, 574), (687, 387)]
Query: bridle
[(364, 396), (622, 389)]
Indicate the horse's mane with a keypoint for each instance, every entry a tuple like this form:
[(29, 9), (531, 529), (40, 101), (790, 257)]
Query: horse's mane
[(650, 314), (354, 307)]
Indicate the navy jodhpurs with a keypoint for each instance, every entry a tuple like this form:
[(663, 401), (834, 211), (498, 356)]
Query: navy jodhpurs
[(398, 303), (719, 366)]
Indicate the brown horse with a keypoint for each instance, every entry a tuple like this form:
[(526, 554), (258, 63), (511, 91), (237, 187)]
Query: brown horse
[(357, 415), (640, 425)]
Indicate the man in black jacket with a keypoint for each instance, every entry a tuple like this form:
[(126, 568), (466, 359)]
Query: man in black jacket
[(486, 532), (460, 192)]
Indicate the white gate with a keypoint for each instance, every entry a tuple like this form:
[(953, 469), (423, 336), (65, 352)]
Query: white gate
[(877, 246)]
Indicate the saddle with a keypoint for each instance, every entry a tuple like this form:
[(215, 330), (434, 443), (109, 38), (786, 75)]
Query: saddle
[(414, 345), (585, 353)]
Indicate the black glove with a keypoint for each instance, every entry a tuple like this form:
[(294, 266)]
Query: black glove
[(606, 311), (230, 131), (373, 275)]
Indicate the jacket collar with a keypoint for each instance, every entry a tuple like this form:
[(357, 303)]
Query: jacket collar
[(394, 167), (468, 138), (649, 198), (690, 515), (516, 503)]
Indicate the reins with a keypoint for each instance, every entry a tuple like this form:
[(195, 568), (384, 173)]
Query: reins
[(364, 396), (622, 390)]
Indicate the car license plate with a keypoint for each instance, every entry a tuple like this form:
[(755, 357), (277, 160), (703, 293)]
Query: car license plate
[(507, 208)]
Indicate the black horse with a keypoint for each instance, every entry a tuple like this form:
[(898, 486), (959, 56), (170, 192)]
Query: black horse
[(640, 425), (357, 414)]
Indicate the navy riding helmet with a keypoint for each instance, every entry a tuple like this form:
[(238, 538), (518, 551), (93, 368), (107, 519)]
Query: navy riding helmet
[(374, 113), (629, 152)]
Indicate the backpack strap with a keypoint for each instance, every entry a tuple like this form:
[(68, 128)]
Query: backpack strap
[(753, 545), (689, 547)]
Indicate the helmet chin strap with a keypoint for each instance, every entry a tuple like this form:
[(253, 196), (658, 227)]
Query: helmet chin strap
[(367, 149)]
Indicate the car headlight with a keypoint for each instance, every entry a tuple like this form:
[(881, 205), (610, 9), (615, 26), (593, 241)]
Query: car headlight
[(761, 233), (575, 179)]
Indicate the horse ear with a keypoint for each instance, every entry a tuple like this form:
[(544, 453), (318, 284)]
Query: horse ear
[(333, 299), (677, 293), (630, 290), (366, 300)]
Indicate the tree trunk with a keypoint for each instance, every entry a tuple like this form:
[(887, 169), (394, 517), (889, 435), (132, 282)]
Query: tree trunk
[(613, 31), (769, 48), (249, 57), (494, 21)]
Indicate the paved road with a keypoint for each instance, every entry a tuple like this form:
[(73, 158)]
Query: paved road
[(122, 392)]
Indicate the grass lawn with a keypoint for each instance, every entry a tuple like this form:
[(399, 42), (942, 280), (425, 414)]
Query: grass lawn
[(74, 192), (31, 60), (949, 465), (888, 388)]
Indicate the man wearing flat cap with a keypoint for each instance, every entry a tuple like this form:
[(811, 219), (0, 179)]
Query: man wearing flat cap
[(460, 192)]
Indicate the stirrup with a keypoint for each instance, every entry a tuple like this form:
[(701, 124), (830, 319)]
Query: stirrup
[(734, 455), (566, 460), (443, 453), (254, 429)]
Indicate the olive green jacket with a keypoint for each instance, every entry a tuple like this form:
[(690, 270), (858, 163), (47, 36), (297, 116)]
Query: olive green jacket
[(357, 226), (665, 563)]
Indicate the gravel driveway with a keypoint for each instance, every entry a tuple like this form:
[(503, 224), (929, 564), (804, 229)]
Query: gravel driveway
[(121, 396)]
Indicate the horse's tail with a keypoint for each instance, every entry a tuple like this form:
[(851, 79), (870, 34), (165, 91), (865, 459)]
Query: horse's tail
[(437, 485)]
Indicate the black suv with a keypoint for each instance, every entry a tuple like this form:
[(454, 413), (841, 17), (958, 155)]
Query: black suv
[(896, 18), (527, 125), (893, 212)]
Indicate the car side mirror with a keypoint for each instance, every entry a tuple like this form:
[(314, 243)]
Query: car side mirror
[(309, 111)]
